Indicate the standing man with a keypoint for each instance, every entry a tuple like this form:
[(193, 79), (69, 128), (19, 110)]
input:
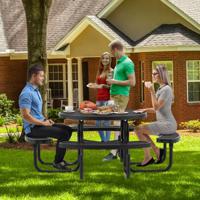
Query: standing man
[(35, 124), (123, 79)]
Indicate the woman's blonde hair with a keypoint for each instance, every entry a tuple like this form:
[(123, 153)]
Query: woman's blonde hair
[(101, 67), (163, 73)]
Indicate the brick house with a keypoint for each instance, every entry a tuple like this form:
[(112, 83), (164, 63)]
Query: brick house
[(154, 31)]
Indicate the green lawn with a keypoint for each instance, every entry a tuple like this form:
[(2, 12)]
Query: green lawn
[(19, 180)]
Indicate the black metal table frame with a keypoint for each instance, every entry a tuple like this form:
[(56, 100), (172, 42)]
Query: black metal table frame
[(124, 138)]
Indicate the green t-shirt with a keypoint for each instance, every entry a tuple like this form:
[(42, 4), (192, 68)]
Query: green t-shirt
[(123, 69)]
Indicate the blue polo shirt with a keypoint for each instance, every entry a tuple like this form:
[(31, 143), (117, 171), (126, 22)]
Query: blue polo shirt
[(31, 99)]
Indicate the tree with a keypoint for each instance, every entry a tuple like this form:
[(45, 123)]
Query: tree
[(36, 12), (36, 18)]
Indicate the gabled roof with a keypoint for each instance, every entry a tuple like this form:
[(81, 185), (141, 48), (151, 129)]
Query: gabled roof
[(3, 42), (101, 25), (189, 7), (64, 15), (169, 35)]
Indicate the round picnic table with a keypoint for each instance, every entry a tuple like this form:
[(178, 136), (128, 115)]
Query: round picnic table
[(124, 129)]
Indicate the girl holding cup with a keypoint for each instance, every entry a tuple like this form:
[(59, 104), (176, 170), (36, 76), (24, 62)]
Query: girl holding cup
[(161, 105)]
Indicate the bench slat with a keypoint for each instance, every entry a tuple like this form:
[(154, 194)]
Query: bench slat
[(103, 145), (94, 128)]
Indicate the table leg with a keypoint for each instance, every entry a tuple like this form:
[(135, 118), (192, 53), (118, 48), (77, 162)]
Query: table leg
[(121, 138), (80, 151), (126, 154)]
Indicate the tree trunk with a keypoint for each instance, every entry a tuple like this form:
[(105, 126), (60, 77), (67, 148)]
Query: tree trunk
[(36, 18)]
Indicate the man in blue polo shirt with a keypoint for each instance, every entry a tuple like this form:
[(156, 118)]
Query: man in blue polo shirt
[(35, 124)]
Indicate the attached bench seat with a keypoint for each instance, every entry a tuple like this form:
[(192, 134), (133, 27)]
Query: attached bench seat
[(168, 138), (35, 141), (86, 144)]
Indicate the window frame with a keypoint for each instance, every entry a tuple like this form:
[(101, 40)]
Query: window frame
[(187, 81), (64, 80)]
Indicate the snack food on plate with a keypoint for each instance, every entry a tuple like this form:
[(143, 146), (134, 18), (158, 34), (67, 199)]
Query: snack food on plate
[(87, 104)]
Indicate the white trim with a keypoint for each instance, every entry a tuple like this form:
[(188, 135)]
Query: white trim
[(73, 33), (4, 54), (166, 48), (190, 102), (78, 29), (109, 8), (50, 55), (181, 13)]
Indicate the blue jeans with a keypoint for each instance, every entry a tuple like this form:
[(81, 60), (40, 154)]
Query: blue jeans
[(104, 135)]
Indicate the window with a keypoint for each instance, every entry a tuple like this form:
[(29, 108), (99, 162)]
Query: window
[(57, 80), (169, 66), (193, 81), (141, 65)]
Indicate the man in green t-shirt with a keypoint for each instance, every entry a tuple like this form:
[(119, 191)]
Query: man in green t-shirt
[(123, 79)]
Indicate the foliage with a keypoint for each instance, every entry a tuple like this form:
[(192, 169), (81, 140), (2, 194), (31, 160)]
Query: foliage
[(13, 135), (2, 121), (5, 105), (192, 125), (53, 114), (19, 120)]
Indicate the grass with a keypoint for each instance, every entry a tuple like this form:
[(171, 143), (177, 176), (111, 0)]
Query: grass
[(19, 180)]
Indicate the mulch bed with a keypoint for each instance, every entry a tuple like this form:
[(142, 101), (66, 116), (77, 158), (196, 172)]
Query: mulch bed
[(188, 133), (24, 145)]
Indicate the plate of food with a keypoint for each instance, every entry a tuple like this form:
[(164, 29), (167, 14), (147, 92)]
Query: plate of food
[(139, 111), (121, 113), (98, 112), (87, 111), (93, 85), (104, 110)]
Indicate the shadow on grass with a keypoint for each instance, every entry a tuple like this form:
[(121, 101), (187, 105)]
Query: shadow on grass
[(18, 179)]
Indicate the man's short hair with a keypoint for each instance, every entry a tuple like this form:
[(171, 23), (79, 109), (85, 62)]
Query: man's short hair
[(116, 44), (34, 69)]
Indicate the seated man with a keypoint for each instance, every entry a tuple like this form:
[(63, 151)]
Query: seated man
[(35, 124)]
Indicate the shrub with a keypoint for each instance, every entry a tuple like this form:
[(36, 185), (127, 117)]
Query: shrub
[(192, 125), (53, 114), (2, 121), (10, 135), (19, 120), (5, 105)]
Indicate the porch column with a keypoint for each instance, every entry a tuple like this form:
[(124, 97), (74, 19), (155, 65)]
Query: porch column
[(80, 80), (70, 82)]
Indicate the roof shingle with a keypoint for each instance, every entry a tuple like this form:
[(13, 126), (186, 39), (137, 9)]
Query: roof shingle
[(189, 7), (170, 35), (64, 15)]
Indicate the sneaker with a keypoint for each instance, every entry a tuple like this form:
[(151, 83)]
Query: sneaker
[(62, 166), (109, 157)]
